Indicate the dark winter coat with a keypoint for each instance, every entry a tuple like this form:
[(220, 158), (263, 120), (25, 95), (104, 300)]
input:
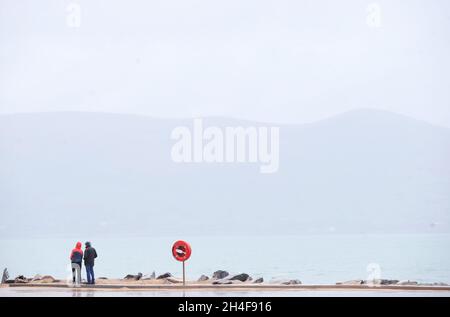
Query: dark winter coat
[(89, 256)]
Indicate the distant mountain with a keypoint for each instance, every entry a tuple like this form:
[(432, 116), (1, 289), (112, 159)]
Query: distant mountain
[(106, 174)]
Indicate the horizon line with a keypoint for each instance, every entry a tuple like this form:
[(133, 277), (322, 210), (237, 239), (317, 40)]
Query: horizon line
[(326, 118)]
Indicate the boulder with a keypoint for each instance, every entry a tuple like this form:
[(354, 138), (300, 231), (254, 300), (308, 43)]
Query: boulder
[(37, 277), (222, 282), (389, 282), (47, 279), (292, 282), (380, 282), (203, 278), (149, 277), (243, 277), (21, 280), (352, 282), (440, 284), (433, 284), (258, 280), (173, 280), (136, 277), (5, 276), (285, 281), (165, 275), (44, 279), (218, 275), (407, 283)]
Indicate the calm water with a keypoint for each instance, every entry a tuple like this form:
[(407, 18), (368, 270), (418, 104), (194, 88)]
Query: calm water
[(312, 259), (15, 292)]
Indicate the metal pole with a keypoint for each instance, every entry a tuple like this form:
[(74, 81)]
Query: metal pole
[(184, 275)]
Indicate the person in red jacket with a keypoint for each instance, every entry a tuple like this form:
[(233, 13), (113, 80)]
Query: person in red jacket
[(76, 257)]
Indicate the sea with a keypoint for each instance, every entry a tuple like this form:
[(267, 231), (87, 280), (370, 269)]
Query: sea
[(312, 259)]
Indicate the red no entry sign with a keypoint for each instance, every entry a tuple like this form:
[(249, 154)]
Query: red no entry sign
[(181, 250)]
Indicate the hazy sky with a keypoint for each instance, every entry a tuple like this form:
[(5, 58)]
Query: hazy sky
[(281, 61)]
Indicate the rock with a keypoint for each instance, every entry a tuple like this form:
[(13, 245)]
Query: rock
[(243, 277), (37, 277), (218, 275), (407, 283), (133, 277), (370, 282), (149, 277), (44, 279), (5, 276), (352, 282), (433, 284), (258, 280), (173, 280), (282, 281), (48, 279), (153, 276), (165, 275), (292, 282), (203, 278), (389, 282), (380, 282), (21, 280), (222, 282), (440, 284)]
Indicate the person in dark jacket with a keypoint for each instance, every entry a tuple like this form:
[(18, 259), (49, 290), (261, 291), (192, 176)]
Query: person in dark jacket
[(89, 258), (76, 257)]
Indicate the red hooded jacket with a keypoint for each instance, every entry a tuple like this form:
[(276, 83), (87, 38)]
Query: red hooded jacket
[(76, 256)]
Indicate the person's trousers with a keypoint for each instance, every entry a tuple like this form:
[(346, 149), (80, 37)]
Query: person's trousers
[(90, 274), (76, 273)]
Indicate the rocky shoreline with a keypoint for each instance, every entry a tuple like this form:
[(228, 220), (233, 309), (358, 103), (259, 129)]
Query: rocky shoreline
[(220, 277)]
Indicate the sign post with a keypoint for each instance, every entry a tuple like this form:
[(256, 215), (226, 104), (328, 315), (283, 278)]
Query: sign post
[(184, 274), (181, 251)]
